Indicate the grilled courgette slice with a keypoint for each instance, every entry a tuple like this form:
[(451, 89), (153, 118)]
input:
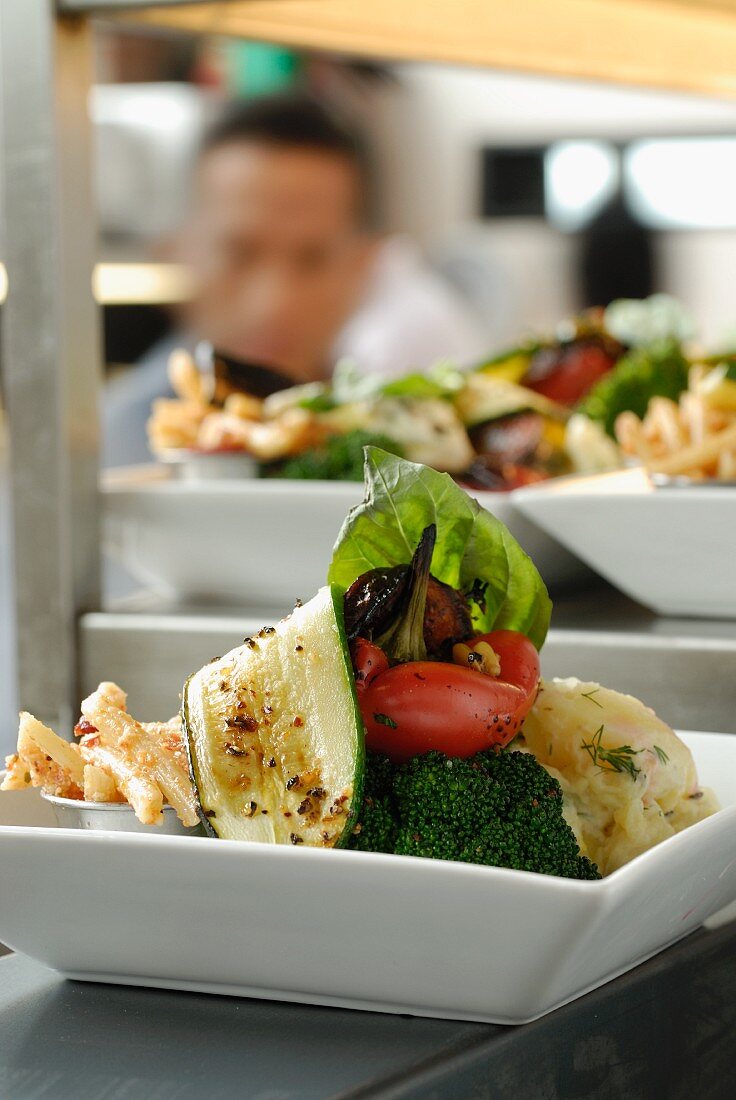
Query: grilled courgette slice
[(274, 733)]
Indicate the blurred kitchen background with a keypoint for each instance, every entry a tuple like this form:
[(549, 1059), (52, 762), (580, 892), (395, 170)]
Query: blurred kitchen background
[(528, 193), (534, 197)]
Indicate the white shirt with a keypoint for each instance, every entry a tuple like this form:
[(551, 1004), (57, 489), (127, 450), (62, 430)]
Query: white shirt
[(410, 318)]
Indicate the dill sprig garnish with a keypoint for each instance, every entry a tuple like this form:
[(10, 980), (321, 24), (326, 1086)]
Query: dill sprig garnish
[(660, 754), (619, 759), (589, 695)]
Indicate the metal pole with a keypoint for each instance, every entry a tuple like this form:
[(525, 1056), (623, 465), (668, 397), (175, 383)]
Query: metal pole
[(50, 343)]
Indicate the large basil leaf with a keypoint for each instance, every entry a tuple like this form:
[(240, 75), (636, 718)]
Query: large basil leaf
[(474, 551)]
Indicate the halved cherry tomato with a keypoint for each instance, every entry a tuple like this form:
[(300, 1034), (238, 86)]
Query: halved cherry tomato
[(577, 370), (517, 656), (368, 661), (419, 706)]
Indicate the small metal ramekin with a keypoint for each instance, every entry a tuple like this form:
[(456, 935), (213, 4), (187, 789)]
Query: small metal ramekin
[(190, 465), (118, 817)]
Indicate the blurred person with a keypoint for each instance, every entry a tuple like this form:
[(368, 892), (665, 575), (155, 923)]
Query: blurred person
[(290, 272)]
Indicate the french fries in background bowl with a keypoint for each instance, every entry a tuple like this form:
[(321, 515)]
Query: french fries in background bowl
[(121, 775), (690, 440)]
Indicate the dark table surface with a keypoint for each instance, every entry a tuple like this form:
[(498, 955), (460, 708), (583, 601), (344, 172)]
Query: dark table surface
[(667, 1029)]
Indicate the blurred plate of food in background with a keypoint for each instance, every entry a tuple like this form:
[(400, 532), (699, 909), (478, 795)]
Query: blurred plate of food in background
[(544, 409)]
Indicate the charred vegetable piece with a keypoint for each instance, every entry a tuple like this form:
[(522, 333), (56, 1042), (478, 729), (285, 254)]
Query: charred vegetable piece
[(403, 640), (274, 733), (374, 600), (446, 618), (378, 602), (566, 372), (511, 438)]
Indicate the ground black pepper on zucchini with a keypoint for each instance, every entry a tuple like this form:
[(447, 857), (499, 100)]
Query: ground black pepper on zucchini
[(274, 733)]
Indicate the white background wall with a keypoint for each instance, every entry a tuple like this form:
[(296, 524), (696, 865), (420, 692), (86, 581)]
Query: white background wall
[(429, 130)]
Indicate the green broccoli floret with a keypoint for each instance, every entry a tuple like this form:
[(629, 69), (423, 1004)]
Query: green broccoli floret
[(502, 809), (657, 370), (340, 458), (379, 821)]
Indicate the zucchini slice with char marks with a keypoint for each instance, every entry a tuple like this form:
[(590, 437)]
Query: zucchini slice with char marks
[(274, 733)]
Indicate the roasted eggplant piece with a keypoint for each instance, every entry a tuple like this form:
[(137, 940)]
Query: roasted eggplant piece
[(512, 438), (378, 601), (446, 618), (374, 600)]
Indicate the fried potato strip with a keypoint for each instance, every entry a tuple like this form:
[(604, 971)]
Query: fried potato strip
[(43, 759), (146, 769), (117, 760)]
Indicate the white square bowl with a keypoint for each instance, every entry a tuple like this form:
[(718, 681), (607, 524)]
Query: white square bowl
[(672, 549), (380, 932)]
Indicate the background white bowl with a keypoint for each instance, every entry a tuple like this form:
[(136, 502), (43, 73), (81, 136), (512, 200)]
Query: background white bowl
[(672, 549), (259, 543)]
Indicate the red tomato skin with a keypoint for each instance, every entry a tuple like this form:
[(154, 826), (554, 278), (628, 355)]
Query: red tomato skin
[(517, 656), (369, 661), (579, 369), (424, 705)]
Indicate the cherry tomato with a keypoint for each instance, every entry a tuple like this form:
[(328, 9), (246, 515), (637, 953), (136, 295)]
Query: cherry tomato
[(419, 706), (517, 656), (368, 661), (579, 368)]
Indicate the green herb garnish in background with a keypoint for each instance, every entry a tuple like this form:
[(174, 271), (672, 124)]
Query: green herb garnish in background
[(442, 381), (340, 458)]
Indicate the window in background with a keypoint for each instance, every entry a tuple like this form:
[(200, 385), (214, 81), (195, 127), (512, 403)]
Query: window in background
[(580, 179), (682, 183), (512, 182), (666, 183)]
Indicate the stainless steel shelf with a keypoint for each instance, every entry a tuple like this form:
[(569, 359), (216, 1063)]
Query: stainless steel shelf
[(685, 669)]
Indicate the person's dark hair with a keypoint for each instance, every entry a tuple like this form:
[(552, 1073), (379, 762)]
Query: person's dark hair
[(296, 121)]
